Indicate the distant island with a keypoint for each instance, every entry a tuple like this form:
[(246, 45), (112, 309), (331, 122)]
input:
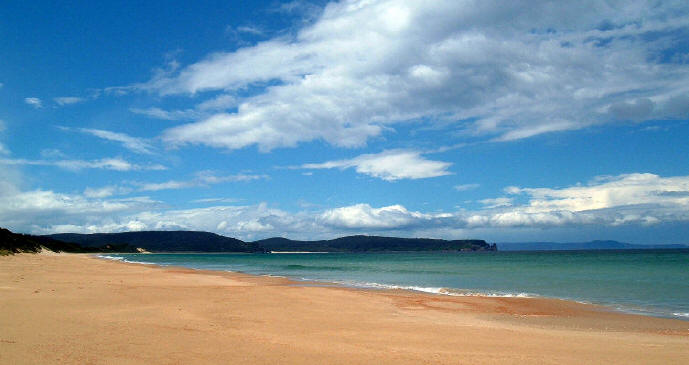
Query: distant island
[(578, 246), (194, 241)]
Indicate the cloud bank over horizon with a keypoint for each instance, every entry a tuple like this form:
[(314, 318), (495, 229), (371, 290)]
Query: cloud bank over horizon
[(629, 199)]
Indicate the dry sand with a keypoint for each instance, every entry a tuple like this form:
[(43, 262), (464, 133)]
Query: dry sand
[(76, 309)]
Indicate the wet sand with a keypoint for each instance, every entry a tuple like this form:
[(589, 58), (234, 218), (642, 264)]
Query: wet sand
[(76, 309)]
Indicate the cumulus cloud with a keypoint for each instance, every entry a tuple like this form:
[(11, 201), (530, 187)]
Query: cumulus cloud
[(642, 199), (68, 100), (363, 216), (503, 71), (389, 165), (134, 144), (612, 201), (34, 102), (44, 210), (629, 190)]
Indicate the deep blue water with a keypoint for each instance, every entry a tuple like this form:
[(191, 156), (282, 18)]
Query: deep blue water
[(652, 282)]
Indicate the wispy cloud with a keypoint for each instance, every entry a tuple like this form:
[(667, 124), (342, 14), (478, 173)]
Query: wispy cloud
[(216, 200), (202, 179), (3, 149), (134, 144), (466, 187), (389, 165), (106, 191), (496, 202), (68, 100), (250, 29), (34, 102), (116, 164), (158, 113)]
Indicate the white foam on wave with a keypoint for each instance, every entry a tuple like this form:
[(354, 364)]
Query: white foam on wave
[(122, 259), (681, 314), (110, 257), (437, 290)]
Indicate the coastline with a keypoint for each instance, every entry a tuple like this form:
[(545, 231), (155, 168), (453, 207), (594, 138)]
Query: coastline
[(82, 309)]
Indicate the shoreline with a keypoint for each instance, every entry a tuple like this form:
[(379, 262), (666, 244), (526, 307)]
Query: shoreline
[(76, 309), (441, 291)]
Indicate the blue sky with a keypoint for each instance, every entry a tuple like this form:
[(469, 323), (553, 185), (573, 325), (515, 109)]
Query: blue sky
[(315, 119)]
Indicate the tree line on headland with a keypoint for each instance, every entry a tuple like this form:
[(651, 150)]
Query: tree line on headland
[(193, 241)]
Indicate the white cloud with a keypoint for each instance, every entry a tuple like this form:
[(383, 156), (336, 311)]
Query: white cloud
[(158, 113), (43, 211), (631, 200), (250, 29), (106, 191), (629, 190), (116, 164), (216, 200), (134, 144), (466, 187), (34, 102), (496, 202), (363, 216), (52, 153), (506, 71), (68, 100), (218, 103), (389, 165), (202, 179), (3, 149)]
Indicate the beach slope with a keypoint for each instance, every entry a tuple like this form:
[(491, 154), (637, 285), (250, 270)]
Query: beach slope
[(77, 309)]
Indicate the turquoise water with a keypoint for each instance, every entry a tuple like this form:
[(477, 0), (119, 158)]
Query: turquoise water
[(651, 282)]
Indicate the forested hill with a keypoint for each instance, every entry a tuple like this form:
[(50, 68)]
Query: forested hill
[(374, 243), (190, 241), (11, 243), (162, 241)]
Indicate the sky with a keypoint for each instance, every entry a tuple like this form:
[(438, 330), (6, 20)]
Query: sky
[(504, 121)]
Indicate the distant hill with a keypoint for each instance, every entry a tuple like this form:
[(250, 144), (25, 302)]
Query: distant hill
[(592, 245), (162, 241), (191, 241), (374, 243), (11, 243)]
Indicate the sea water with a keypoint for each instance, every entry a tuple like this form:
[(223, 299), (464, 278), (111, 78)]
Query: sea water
[(651, 282)]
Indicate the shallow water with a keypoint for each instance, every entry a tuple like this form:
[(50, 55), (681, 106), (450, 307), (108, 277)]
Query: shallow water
[(651, 282)]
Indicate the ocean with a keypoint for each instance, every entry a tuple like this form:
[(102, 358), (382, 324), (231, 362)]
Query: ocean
[(649, 282)]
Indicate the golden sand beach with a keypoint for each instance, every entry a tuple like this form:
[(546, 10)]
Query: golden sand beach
[(77, 309)]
